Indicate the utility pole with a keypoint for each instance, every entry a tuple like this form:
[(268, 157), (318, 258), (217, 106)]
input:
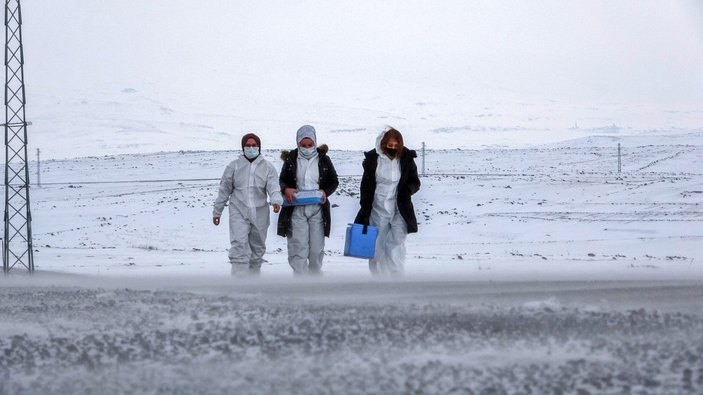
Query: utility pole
[(38, 168), (423, 158), (17, 241), (619, 160)]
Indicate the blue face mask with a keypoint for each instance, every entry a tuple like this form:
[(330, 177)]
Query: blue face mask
[(251, 152), (307, 153)]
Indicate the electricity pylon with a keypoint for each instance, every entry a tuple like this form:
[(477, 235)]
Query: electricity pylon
[(17, 241)]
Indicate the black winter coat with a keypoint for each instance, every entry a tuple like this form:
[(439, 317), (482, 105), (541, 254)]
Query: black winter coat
[(408, 184), (288, 179)]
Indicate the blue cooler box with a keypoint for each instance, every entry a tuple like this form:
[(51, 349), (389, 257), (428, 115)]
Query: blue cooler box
[(302, 198), (359, 244)]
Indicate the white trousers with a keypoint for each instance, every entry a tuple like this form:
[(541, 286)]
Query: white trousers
[(247, 238), (390, 243), (306, 240)]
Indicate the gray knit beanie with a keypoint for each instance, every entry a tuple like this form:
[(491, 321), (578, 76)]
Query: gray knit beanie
[(306, 131)]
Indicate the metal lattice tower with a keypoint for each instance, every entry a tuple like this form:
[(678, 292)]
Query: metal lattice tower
[(17, 241)]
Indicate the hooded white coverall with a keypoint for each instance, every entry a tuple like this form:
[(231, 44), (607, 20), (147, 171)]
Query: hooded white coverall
[(306, 244), (392, 229), (246, 185)]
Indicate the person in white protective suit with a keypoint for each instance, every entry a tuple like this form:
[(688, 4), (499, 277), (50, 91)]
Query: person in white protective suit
[(390, 179), (306, 168), (245, 183)]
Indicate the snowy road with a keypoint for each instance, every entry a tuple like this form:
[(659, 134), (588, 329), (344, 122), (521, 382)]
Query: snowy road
[(211, 335)]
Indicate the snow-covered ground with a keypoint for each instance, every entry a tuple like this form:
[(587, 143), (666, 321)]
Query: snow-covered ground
[(488, 214), (536, 270)]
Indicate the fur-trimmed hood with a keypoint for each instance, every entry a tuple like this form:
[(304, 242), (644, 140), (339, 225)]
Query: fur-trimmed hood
[(321, 150)]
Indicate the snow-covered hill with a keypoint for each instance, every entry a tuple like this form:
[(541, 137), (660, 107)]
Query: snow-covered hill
[(107, 78)]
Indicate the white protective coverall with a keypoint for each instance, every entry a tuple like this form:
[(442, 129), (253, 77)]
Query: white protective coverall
[(246, 185), (392, 230), (306, 244)]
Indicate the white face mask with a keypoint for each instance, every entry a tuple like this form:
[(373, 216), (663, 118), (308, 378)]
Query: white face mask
[(307, 153), (251, 152)]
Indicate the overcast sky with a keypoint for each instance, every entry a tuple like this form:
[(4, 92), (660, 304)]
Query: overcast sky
[(624, 50)]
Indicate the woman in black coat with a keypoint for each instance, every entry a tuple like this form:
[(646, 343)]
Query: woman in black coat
[(390, 179), (306, 168)]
